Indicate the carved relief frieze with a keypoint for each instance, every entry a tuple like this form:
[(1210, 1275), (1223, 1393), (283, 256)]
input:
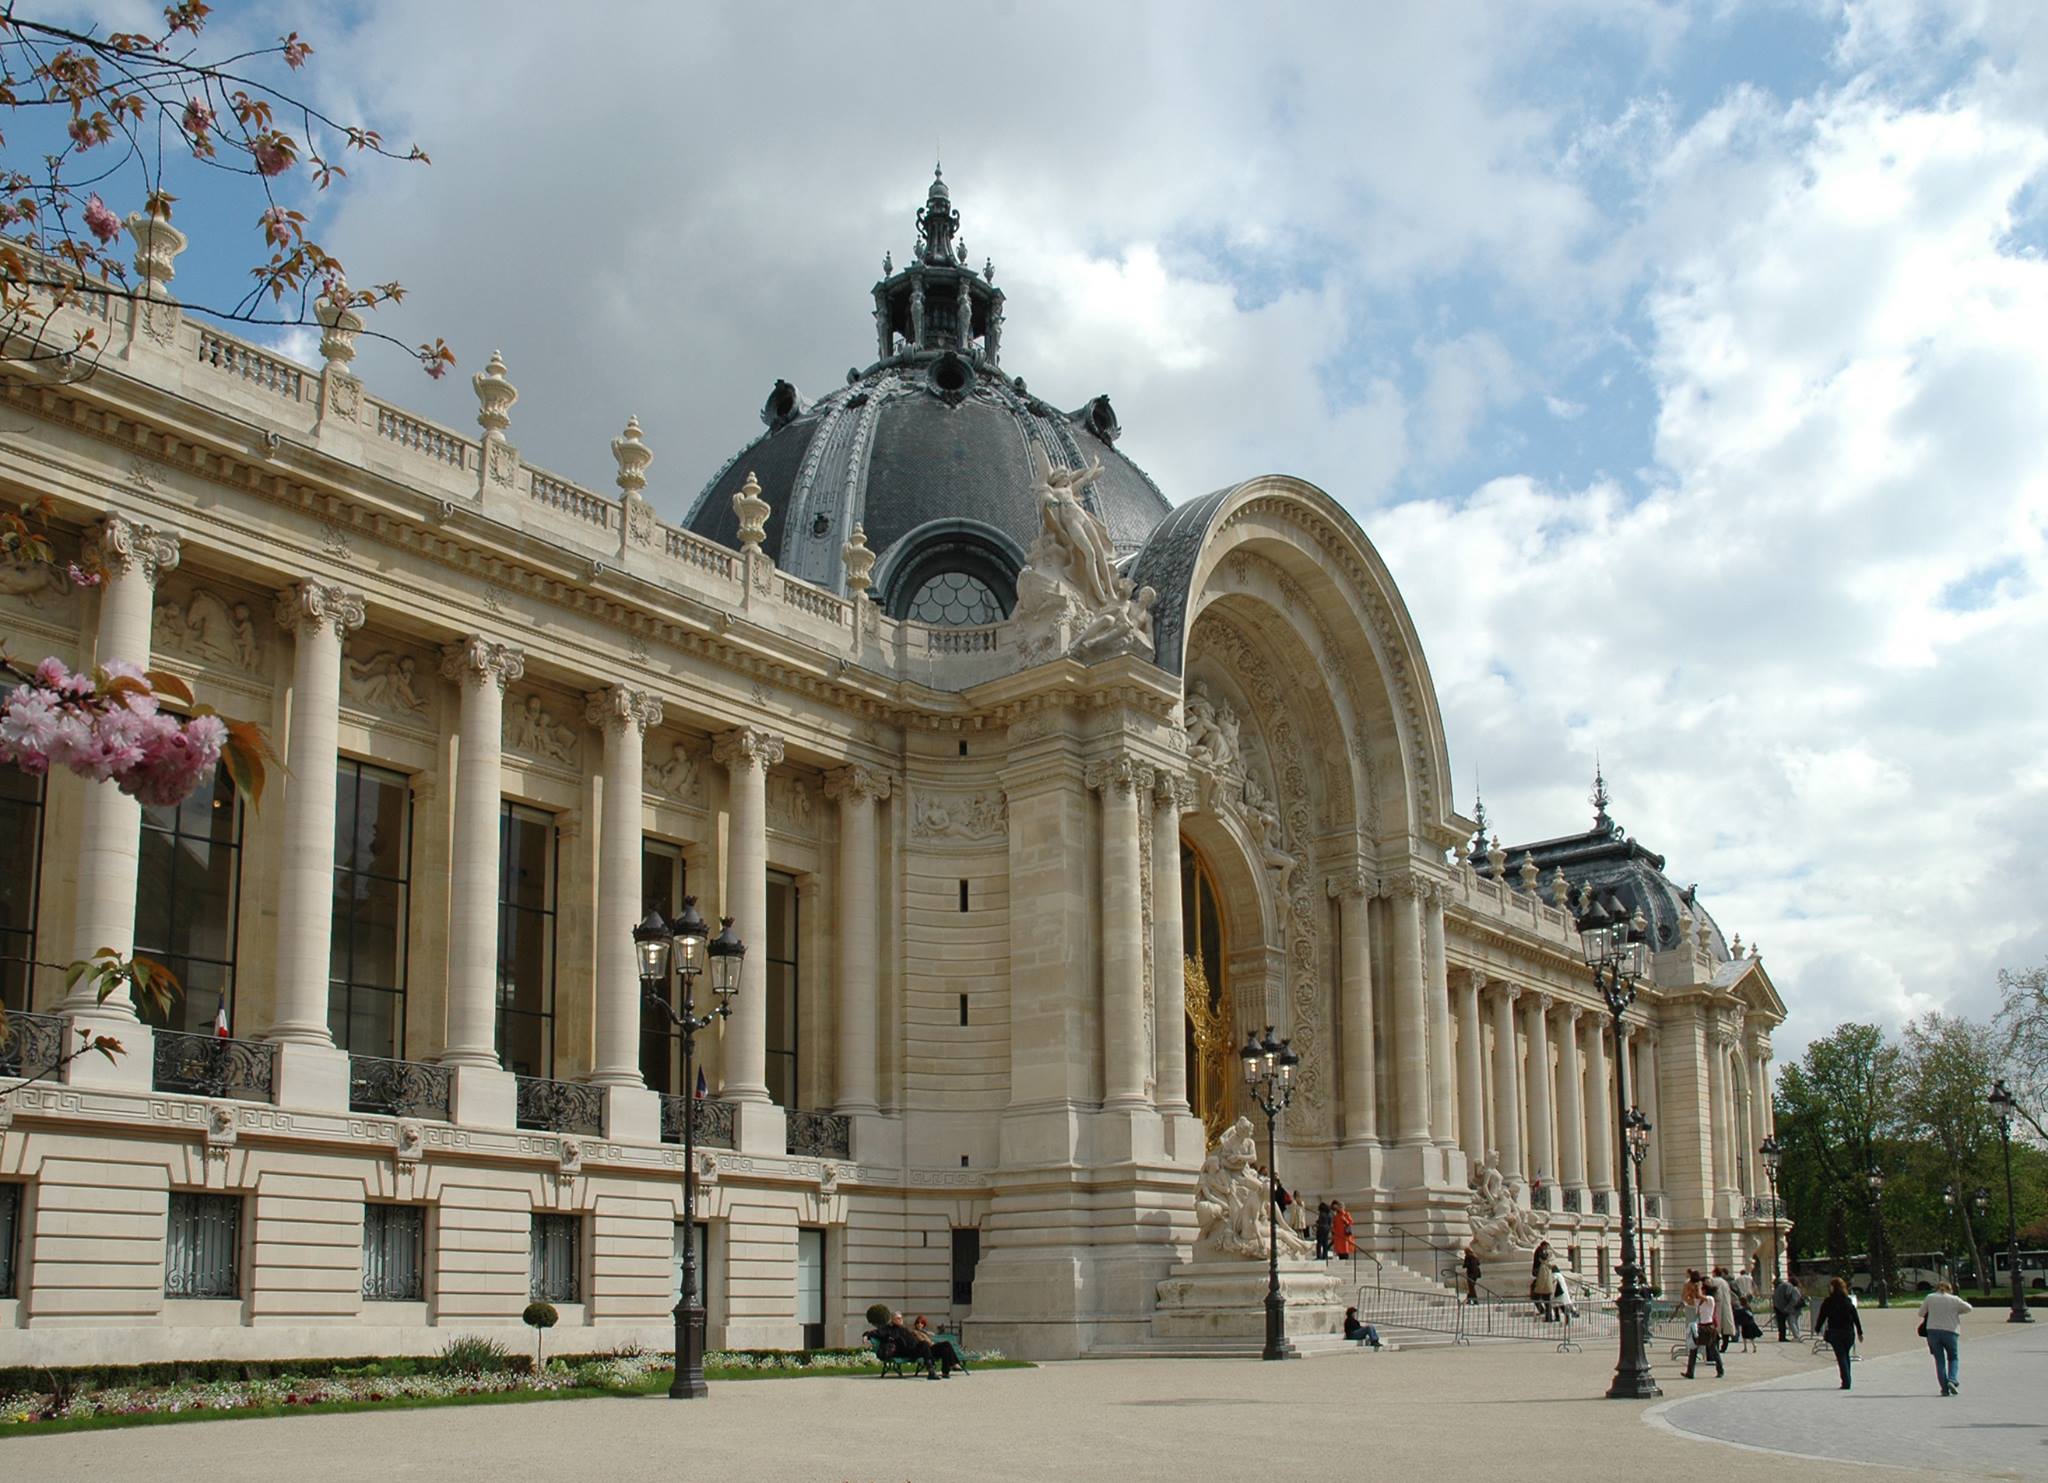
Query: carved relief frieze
[(792, 805), (531, 728), (959, 816), (674, 769), (210, 628), (385, 679)]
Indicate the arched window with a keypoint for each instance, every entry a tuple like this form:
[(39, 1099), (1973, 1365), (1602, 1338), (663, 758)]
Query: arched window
[(952, 578), (955, 600)]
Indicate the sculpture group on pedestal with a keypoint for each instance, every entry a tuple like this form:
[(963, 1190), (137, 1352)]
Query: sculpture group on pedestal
[(1233, 1204), (1501, 1228)]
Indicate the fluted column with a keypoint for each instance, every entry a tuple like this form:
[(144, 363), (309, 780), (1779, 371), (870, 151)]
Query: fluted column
[(482, 669), (1759, 1119), (1437, 991), (1507, 1087), (1171, 797), (1353, 894), (1471, 1076), (1717, 1109), (623, 714), (1571, 1111), (321, 617), (133, 555), (1542, 1146), (857, 789), (747, 755), (1599, 1105), (1411, 1013), (1120, 779), (1646, 1098)]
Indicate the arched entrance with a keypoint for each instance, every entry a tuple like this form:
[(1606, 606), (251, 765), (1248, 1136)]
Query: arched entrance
[(1211, 1042)]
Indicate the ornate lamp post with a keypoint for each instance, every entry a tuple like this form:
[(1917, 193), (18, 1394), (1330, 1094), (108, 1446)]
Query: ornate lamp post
[(1635, 1133), (1773, 1156), (1269, 1077), (1617, 955), (680, 947), (2001, 1101), (1875, 1178)]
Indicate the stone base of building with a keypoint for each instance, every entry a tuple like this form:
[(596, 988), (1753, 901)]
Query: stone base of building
[(1227, 1300)]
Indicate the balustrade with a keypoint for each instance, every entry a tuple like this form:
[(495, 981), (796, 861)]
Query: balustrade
[(215, 1066), (398, 1088), (714, 1121), (34, 1045), (559, 1106), (825, 1134)]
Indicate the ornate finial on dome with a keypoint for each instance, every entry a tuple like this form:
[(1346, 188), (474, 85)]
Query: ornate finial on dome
[(1599, 799), (888, 265), (936, 224), (988, 270), (1497, 860), (494, 396), (753, 512), (1479, 816), (860, 562), (1735, 947), (1560, 890), (1530, 872), (633, 457)]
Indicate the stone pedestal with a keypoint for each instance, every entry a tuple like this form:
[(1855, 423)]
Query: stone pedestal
[(1227, 1300)]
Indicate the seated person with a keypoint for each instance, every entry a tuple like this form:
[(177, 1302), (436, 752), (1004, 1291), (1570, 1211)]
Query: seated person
[(940, 1349), (898, 1341), (1363, 1333)]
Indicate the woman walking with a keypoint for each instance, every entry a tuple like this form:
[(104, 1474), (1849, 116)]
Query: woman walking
[(1842, 1325), (1341, 1242), (1706, 1334), (1941, 1320)]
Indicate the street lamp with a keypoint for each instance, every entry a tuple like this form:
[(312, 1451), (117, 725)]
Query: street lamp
[(2001, 1100), (1875, 1178), (1269, 1077), (680, 948), (1616, 953), (1635, 1133), (1773, 1156)]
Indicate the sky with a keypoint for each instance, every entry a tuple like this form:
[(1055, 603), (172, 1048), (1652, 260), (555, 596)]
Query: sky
[(1684, 361)]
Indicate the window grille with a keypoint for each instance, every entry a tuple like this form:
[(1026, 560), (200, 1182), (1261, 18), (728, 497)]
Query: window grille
[(10, 1235), (372, 884), (557, 1259), (202, 1257), (394, 1253), (526, 939)]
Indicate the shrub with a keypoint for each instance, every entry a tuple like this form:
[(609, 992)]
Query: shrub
[(473, 1354), (879, 1314), (540, 1317)]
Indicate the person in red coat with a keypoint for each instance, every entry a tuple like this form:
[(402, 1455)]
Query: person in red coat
[(1341, 1242)]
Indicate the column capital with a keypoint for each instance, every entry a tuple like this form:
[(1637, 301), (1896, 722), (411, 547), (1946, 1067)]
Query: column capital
[(1542, 1002), (1119, 770), (476, 660), (1405, 883), (618, 706), (1508, 992), (745, 747), (121, 546), (1172, 791), (856, 784), (309, 605), (1358, 881)]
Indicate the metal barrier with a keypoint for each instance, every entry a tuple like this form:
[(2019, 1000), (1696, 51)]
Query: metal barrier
[(1588, 1316), (1399, 1307)]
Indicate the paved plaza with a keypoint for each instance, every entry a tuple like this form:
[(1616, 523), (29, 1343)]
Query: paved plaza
[(1517, 1411)]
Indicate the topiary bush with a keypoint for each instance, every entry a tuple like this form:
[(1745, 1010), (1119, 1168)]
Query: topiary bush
[(540, 1317), (879, 1314)]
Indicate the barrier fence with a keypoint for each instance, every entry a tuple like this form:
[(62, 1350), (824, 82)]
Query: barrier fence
[(1564, 1325)]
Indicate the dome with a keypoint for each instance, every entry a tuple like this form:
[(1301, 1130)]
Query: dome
[(928, 450)]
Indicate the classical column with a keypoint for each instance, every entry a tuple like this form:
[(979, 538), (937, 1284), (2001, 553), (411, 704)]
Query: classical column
[(857, 789), (747, 755), (623, 714), (133, 556), (1353, 894), (482, 669), (1171, 797), (1437, 989), (1120, 778), (1599, 1105), (1507, 1089), (1717, 1108), (1759, 1119), (1571, 1112), (1471, 1091), (1646, 1098), (1542, 1145), (321, 617), (1411, 1013)]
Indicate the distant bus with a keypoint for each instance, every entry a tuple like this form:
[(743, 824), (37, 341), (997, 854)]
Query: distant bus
[(2033, 1267), (1914, 1271)]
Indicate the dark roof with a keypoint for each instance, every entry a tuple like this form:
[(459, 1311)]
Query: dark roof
[(1605, 858)]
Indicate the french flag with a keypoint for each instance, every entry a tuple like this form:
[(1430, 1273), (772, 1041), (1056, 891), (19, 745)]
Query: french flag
[(220, 1020), (700, 1084)]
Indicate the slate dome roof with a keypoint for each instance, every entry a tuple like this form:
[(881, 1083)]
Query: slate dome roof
[(928, 449)]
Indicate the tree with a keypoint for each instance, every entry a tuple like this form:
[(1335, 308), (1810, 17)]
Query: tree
[(2023, 1019), (110, 118), (1949, 1064), (1837, 1116)]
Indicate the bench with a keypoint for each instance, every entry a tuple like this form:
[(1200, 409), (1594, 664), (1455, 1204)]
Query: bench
[(896, 1365)]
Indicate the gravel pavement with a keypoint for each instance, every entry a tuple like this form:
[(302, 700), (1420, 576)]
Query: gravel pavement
[(1487, 1412)]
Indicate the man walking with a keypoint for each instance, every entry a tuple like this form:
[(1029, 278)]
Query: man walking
[(1724, 1306), (1325, 1223), (1941, 1320), (1471, 1276), (1786, 1299)]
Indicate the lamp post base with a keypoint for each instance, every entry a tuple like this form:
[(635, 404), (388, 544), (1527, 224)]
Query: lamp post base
[(1632, 1378), (1278, 1345), (689, 1384)]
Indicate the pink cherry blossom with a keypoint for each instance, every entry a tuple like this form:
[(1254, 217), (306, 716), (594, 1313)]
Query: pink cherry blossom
[(272, 158), (199, 117), (78, 576), (100, 219)]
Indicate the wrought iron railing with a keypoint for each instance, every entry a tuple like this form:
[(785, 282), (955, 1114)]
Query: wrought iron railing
[(819, 1133), (215, 1066), (1762, 1207), (1539, 1198), (1574, 1201), (398, 1088), (32, 1046), (714, 1121), (560, 1106), (1653, 1207), (1600, 1201)]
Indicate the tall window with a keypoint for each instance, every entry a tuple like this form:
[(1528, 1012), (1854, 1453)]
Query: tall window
[(372, 867), (394, 1253), (202, 1257), (185, 905), (10, 1236), (526, 940), (557, 1259), (661, 888), (781, 935), (21, 837)]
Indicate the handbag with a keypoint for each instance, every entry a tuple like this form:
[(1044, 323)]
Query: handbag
[(1922, 1330)]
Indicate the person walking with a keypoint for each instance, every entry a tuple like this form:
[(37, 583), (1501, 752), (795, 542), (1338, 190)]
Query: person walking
[(1341, 1243), (1542, 1280), (1842, 1325), (1941, 1320), (1297, 1216), (1325, 1224), (1724, 1306), (1785, 1300), (1471, 1276), (1705, 1335)]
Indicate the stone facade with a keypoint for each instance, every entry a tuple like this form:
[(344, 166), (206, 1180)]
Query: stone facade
[(974, 1019)]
